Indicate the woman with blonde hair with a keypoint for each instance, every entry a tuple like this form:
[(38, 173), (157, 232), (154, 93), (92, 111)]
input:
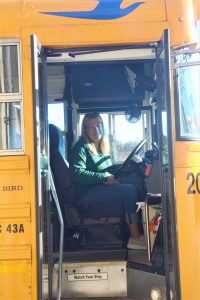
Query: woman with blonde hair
[(89, 164)]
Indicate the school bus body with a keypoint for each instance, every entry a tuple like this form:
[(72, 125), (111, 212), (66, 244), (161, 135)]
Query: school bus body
[(18, 222), (145, 24)]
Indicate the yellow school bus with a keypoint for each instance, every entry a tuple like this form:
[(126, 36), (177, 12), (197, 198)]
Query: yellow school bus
[(138, 64)]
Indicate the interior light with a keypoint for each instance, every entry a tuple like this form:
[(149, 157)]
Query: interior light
[(87, 84), (155, 294)]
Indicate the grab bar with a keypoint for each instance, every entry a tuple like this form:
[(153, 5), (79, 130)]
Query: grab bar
[(55, 198)]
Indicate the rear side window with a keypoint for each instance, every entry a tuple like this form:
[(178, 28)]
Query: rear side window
[(10, 99)]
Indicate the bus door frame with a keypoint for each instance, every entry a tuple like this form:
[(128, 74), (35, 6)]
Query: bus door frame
[(172, 278), (41, 161)]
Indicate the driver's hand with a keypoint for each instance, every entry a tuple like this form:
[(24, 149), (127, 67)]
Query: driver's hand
[(111, 180)]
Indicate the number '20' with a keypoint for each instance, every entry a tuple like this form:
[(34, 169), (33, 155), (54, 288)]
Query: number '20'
[(194, 187)]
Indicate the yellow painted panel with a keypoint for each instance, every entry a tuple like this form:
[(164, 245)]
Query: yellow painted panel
[(187, 154), (98, 34), (14, 188), (15, 211), (15, 280), (188, 227), (177, 15), (15, 231), (14, 163), (149, 10), (180, 14), (15, 253)]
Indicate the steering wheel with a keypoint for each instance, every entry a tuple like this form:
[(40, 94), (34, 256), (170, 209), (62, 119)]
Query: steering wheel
[(135, 151)]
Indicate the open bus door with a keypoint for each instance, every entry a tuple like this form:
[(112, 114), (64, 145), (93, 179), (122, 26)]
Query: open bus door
[(171, 262), (40, 131), (44, 181), (161, 275), (179, 173)]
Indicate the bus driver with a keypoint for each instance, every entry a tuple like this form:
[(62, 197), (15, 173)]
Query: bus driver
[(89, 163)]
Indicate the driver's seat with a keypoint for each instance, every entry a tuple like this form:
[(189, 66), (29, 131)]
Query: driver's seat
[(98, 225)]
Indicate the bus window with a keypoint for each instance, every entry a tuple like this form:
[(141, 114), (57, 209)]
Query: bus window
[(9, 70), (104, 116), (56, 114), (10, 99), (188, 90), (10, 125), (123, 135), (126, 136)]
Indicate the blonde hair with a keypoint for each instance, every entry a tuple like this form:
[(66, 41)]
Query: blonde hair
[(104, 142)]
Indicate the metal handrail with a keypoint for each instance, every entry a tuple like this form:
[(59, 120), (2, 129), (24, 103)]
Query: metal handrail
[(147, 231), (60, 261)]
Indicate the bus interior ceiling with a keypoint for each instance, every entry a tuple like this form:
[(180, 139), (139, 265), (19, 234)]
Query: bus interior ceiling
[(103, 81)]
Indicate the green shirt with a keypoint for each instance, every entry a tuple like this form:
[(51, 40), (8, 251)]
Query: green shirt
[(86, 168)]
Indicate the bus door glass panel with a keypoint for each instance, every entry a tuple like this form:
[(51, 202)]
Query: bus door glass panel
[(10, 98), (162, 127), (56, 115), (147, 127), (187, 88), (170, 254)]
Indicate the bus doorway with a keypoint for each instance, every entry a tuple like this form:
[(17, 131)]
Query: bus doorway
[(114, 82)]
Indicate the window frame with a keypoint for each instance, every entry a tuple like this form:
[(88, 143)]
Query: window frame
[(15, 97)]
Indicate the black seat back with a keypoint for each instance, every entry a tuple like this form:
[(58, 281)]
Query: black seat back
[(60, 168)]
